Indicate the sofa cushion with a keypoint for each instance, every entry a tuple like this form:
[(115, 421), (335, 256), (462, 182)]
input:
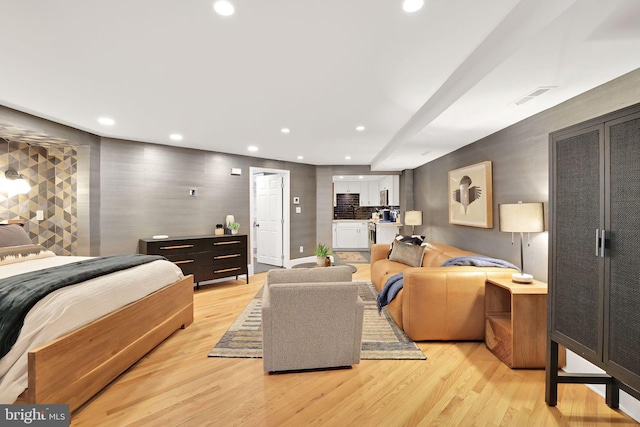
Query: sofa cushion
[(407, 253)]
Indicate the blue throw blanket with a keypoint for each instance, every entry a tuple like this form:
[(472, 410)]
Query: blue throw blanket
[(390, 290), (478, 261), (19, 293)]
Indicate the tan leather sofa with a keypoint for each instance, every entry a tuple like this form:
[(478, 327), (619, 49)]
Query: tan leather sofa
[(436, 303)]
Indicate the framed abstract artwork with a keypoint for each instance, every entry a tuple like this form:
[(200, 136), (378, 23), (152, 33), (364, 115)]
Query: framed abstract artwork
[(470, 201)]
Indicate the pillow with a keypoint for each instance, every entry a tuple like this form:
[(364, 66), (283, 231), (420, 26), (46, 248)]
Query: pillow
[(13, 254), (13, 235), (413, 240), (407, 253)]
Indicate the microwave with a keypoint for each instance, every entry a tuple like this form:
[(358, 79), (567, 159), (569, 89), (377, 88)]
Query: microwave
[(384, 197)]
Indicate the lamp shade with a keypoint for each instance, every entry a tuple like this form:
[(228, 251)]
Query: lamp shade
[(413, 218), (521, 217)]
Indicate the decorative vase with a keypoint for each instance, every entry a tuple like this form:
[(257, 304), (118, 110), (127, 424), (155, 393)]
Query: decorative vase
[(320, 261), (234, 231)]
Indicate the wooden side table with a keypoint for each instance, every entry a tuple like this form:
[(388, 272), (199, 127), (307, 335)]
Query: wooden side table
[(516, 322)]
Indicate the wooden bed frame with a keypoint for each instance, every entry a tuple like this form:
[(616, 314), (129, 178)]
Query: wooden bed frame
[(73, 368)]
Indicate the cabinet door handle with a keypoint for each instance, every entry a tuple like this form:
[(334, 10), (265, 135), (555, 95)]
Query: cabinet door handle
[(176, 247), (230, 242), (188, 261), (226, 270), (226, 256), (597, 242), (602, 242)]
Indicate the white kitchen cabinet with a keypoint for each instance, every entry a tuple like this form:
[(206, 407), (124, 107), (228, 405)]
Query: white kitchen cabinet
[(350, 235), (391, 183), (370, 196), (386, 232), (345, 187)]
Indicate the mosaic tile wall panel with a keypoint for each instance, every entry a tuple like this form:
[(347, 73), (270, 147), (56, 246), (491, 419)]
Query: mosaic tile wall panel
[(51, 172)]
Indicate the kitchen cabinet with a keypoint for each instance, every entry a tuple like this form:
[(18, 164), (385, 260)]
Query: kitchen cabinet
[(369, 193), (350, 235), (594, 233), (345, 187), (386, 232), (392, 184)]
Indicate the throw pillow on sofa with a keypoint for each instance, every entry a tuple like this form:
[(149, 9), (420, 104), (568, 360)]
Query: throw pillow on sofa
[(413, 240), (407, 253)]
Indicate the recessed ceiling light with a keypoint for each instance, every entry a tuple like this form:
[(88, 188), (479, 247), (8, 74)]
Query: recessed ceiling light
[(347, 157), (252, 148), (300, 157), (411, 6), (360, 128), (176, 137), (223, 8), (107, 121), (360, 177), (285, 130)]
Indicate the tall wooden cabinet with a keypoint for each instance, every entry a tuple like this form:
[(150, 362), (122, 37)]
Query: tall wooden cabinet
[(594, 256)]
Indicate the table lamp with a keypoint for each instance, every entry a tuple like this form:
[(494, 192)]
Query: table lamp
[(521, 218), (413, 218)]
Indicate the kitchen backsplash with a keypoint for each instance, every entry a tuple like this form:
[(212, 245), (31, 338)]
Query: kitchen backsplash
[(348, 207)]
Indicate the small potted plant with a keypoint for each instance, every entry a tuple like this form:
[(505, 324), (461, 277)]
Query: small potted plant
[(322, 252), (234, 226)]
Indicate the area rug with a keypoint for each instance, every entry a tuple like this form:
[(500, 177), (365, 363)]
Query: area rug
[(381, 337), (355, 257)]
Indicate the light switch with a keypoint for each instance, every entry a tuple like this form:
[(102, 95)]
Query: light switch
[(298, 209), (39, 215)]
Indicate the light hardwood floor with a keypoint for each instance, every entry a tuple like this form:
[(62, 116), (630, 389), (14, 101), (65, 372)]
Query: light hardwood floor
[(461, 384)]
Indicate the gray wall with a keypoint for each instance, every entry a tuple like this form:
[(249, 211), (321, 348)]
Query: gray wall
[(144, 191), (520, 160)]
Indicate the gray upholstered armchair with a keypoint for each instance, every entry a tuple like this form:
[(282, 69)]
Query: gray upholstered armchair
[(311, 319)]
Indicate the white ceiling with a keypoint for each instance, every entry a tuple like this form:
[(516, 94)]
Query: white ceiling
[(422, 84)]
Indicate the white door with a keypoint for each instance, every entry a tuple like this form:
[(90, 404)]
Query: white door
[(269, 219)]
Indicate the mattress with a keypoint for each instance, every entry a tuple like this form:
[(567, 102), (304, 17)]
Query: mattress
[(69, 308)]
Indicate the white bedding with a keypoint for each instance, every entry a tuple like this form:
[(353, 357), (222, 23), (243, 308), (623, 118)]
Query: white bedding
[(68, 308)]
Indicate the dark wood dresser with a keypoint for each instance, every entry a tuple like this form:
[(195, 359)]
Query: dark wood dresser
[(206, 257)]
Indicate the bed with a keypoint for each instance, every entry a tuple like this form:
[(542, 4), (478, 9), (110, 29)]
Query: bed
[(79, 338)]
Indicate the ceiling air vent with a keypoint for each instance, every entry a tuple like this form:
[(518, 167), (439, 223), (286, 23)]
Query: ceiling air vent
[(529, 96)]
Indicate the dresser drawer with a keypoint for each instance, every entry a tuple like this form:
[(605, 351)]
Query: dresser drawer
[(219, 271), (226, 246), (174, 247), (226, 263)]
